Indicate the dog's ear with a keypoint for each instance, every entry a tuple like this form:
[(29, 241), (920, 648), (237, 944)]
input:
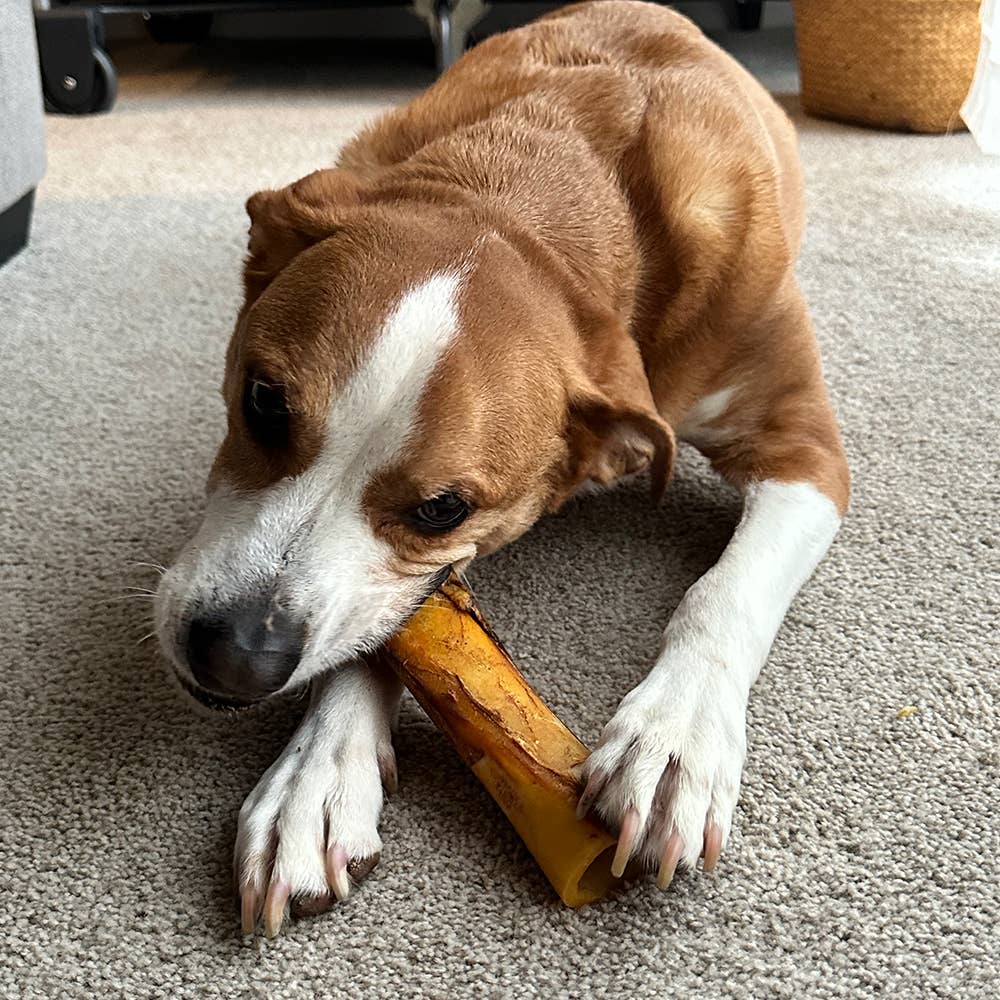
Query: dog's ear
[(285, 222), (612, 427)]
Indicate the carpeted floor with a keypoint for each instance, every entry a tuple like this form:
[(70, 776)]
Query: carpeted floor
[(865, 856)]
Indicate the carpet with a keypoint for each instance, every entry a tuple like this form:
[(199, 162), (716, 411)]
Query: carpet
[(864, 858)]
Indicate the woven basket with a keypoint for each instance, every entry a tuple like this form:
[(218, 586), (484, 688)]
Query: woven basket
[(903, 64)]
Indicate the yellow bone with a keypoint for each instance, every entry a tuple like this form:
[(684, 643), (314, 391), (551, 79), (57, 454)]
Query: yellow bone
[(467, 683)]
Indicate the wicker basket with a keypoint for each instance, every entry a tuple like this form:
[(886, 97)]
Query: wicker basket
[(903, 64)]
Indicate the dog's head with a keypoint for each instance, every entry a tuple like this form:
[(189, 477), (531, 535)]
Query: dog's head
[(405, 390)]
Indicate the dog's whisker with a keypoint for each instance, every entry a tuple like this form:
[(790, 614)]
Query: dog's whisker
[(131, 597), (142, 590), (146, 637), (150, 565)]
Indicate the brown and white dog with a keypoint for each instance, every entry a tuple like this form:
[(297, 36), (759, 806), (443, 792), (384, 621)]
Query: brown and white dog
[(575, 246)]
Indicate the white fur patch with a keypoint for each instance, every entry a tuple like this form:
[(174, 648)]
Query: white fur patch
[(675, 748), (372, 418), (306, 538), (695, 427)]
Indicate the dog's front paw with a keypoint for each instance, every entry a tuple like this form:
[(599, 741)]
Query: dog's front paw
[(666, 772), (309, 831)]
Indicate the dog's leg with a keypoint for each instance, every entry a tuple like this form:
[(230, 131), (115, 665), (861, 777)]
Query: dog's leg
[(310, 827), (667, 769)]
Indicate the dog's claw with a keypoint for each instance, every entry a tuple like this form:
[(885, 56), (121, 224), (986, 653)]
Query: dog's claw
[(626, 841), (671, 855), (275, 906), (593, 789), (713, 846), (336, 872), (249, 910), (274, 903)]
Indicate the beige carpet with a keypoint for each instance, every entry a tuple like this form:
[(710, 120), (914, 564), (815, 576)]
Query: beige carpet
[(865, 855)]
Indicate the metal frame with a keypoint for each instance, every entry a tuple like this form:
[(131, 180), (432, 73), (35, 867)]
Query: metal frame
[(74, 63), (449, 21)]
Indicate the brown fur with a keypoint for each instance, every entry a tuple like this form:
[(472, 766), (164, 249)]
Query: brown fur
[(629, 202)]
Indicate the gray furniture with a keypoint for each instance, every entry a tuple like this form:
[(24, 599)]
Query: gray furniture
[(22, 132)]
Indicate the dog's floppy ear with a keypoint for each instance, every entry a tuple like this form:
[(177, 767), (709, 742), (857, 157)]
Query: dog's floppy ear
[(285, 222), (612, 427)]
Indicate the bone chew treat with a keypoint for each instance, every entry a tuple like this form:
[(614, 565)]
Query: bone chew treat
[(462, 676)]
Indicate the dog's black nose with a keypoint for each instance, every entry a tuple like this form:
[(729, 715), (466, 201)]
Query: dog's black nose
[(247, 653)]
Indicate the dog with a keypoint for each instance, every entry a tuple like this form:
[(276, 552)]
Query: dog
[(577, 247)]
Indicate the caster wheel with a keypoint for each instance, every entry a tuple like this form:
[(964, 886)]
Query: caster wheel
[(78, 77), (171, 28), (103, 90)]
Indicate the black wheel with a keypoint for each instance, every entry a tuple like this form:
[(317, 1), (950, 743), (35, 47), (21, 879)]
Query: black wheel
[(67, 100), (78, 76), (105, 82), (171, 28)]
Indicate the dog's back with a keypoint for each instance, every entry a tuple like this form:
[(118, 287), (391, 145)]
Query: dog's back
[(632, 77), (643, 154)]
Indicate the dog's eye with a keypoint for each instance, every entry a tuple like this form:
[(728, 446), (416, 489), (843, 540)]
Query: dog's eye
[(440, 514), (265, 410)]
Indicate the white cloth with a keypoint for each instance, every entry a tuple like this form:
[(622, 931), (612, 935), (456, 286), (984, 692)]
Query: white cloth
[(981, 110)]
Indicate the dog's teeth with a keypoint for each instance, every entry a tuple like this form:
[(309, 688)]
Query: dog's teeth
[(249, 910), (274, 907)]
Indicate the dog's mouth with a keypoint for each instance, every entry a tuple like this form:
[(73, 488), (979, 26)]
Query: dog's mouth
[(216, 702), (436, 581)]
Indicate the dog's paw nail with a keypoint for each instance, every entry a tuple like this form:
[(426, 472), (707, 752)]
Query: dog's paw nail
[(275, 906), (668, 865), (626, 841), (336, 872), (590, 793), (249, 910), (713, 846)]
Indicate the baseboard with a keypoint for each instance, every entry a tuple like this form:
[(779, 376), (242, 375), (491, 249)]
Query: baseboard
[(14, 225)]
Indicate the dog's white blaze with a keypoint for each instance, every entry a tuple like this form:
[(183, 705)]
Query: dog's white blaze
[(309, 533), (374, 415), (367, 428)]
